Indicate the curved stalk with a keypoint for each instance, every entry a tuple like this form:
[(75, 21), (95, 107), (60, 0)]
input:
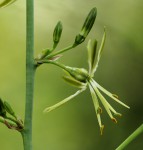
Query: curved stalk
[(30, 71), (137, 132)]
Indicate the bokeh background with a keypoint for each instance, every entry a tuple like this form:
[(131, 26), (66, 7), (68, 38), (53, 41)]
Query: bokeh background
[(74, 126)]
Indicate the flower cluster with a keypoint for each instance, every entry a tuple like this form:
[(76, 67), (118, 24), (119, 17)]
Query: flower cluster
[(80, 77)]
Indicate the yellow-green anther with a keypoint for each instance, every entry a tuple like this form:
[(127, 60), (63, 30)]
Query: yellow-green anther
[(90, 19), (74, 82), (9, 109), (2, 109), (57, 34), (79, 74), (116, 96)]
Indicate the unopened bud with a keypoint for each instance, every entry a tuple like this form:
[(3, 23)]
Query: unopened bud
[(86, 26), (2, 109), (8, 108), (57, 33), (74, 82), (79, 74)]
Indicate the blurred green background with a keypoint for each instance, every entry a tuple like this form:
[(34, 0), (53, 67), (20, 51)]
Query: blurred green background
[(74, 126)]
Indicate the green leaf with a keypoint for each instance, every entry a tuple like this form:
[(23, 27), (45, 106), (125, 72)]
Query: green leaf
[(6, 2), (98, 53)]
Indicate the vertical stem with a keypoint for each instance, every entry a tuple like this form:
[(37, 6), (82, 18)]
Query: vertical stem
[(137, 132), (30, 71)]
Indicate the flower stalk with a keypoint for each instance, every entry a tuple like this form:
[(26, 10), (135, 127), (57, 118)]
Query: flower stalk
[(30, 71), (133, 136)]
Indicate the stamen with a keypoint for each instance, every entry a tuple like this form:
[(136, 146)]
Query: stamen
[(114, 120), (101, 129), (96, 106), (103, 100), (118, 114), (99, 110), (116, 96)]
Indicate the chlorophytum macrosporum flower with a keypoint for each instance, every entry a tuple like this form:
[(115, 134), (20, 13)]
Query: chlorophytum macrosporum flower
[(82, 79)]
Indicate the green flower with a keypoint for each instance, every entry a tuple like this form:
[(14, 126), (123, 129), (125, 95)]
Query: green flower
[(82, 79)]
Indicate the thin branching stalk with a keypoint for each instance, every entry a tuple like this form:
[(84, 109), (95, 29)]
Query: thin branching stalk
[(136, 133), (30, 71), (60, 51)]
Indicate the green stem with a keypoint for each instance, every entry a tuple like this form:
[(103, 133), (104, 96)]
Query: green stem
[(60, 51), (30, 71), (54, 63), (137, 132)]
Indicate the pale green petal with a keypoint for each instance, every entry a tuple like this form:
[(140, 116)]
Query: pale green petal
[(91, 48), (110, 94), (98, 54), (48, 109), (104, 103), (97, 107)]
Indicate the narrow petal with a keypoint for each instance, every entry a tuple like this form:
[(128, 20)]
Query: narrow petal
[(91, 48), (98, 109), (98, 53), (110, 94), (48, 109)]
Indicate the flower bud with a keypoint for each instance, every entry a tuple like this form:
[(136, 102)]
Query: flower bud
[(86, 26), (6, 2), (2, 109), (8, 108), (79, 74), (57, 34)]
